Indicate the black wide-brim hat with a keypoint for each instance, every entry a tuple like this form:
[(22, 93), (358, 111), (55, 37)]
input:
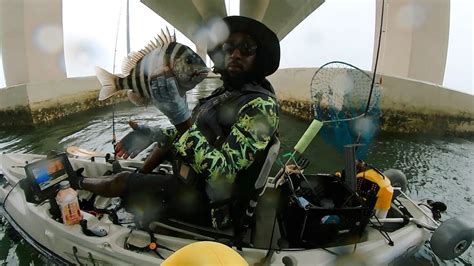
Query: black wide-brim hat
[(268, 51)]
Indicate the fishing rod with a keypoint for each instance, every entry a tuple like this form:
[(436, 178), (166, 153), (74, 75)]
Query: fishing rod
[(376, 57), (316, 125), (114, 138), (338, 103), (372, 85)]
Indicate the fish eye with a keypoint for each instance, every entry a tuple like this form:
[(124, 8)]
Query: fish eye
[(189, 59)]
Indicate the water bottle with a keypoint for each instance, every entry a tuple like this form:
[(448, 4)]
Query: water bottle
[(68, 204)]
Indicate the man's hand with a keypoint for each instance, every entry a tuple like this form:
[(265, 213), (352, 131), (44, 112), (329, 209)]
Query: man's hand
[(168, 98), (76, 179), (139, 139)]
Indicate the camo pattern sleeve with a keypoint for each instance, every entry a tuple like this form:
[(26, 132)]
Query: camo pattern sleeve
[(257, 121), (170, 133)]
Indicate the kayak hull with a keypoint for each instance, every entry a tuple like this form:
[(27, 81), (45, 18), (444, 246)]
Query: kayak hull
[(69, 245)]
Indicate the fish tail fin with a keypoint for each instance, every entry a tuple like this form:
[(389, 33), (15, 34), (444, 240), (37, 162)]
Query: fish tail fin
[(107, 80)]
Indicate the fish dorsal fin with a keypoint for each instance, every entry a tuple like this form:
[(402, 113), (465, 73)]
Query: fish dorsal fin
[(161, 40)]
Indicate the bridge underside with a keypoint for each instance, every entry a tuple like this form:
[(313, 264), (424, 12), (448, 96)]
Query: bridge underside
[(189, 16)]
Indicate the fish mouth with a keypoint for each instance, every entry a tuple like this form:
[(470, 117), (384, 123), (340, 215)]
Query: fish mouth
[(200, 73)]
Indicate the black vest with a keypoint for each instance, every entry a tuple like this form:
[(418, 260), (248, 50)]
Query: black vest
[(216, 114)]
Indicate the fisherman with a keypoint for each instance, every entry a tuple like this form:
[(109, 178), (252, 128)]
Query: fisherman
[(219, 143)]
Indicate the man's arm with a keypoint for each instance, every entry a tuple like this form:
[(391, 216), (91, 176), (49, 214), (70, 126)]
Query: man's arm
[(154, 159), (159, 153), (183, 127)]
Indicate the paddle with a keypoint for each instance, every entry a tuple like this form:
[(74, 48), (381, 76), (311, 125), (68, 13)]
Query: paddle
[(80, 152)]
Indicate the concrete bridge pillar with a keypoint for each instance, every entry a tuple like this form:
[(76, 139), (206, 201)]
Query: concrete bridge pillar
[(31, 41), (415, 39)]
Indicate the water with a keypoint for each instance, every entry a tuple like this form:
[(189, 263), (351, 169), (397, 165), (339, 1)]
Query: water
[(438, 168)]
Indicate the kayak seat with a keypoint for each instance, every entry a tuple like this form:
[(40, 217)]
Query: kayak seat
[(249, 188)]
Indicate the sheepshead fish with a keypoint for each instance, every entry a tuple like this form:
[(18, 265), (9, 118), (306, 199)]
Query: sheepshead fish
[(139, 68)]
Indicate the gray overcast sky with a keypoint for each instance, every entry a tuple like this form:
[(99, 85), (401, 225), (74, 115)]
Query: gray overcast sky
[(338, 30)]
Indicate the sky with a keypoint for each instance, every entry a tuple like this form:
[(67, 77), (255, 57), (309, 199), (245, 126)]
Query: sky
[(338, 30)]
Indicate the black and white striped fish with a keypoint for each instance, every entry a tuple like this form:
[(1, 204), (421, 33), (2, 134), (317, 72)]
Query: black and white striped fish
[(139, 68)]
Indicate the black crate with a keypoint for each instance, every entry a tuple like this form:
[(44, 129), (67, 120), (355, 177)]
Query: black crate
[(335, 216)]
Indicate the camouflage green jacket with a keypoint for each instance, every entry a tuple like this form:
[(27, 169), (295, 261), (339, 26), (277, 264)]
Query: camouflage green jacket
[(254, 121)]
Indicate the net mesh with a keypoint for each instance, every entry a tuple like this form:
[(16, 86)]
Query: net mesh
[(340, 93)]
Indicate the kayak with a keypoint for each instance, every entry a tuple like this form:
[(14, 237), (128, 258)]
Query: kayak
[(284, 233)]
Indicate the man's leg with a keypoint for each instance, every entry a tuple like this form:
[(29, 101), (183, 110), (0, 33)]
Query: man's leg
[(110, 186), (151, 197)]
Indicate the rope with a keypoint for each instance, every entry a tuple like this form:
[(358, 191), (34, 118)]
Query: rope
[(383, 233)]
